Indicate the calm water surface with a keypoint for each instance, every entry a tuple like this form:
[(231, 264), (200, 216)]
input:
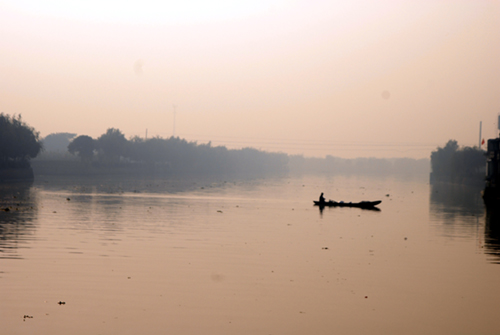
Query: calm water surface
[(247, 257)]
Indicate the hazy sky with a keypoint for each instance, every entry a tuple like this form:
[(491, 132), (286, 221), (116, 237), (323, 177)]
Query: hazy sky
[(345, 78)]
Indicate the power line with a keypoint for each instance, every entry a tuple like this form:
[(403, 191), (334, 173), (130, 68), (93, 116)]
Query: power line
[(306, 145)]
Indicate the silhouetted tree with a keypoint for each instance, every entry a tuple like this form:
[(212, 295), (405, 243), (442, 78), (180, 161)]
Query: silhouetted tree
[(470, 162), (112, 145), (19, 142), (455, 164), (83, 146), (441, 159)]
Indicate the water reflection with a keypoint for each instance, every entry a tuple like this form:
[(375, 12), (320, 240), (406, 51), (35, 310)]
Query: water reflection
[(369, 209), (18, 211), (113, 206), (456, 200), (120, 184), (460, 212), (88, 212), (492, 234), (457, 210)]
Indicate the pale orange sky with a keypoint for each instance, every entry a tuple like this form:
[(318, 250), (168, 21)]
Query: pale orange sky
[(341, 78)]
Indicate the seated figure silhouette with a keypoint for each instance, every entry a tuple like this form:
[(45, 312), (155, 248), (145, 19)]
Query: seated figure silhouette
[(321, 198)]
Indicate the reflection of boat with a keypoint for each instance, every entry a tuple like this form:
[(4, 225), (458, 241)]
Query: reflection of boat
[(362, 204)]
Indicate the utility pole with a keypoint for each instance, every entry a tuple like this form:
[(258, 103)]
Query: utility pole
[(480, 129), (173, 132)]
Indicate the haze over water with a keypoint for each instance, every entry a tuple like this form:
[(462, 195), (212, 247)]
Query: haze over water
[(247, 257)]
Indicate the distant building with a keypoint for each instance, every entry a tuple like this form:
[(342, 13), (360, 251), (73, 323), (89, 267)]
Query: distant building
[(491, 193)]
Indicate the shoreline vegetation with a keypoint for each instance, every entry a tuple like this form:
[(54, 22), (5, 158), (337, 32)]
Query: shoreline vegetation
[(113, 154), (458, 165), (18, 144), (24, 156)]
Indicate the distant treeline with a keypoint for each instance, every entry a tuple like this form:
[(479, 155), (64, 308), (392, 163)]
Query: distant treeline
[(66, 153), (362, 166), (174, 155), (178, 156), (458, 164)]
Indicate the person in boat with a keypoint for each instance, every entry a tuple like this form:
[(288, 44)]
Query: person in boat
[(321, 198)]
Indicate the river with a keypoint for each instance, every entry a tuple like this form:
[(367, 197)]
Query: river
[(247, 257)]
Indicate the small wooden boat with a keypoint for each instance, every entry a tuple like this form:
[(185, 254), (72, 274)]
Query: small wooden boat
[(362, 204)]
